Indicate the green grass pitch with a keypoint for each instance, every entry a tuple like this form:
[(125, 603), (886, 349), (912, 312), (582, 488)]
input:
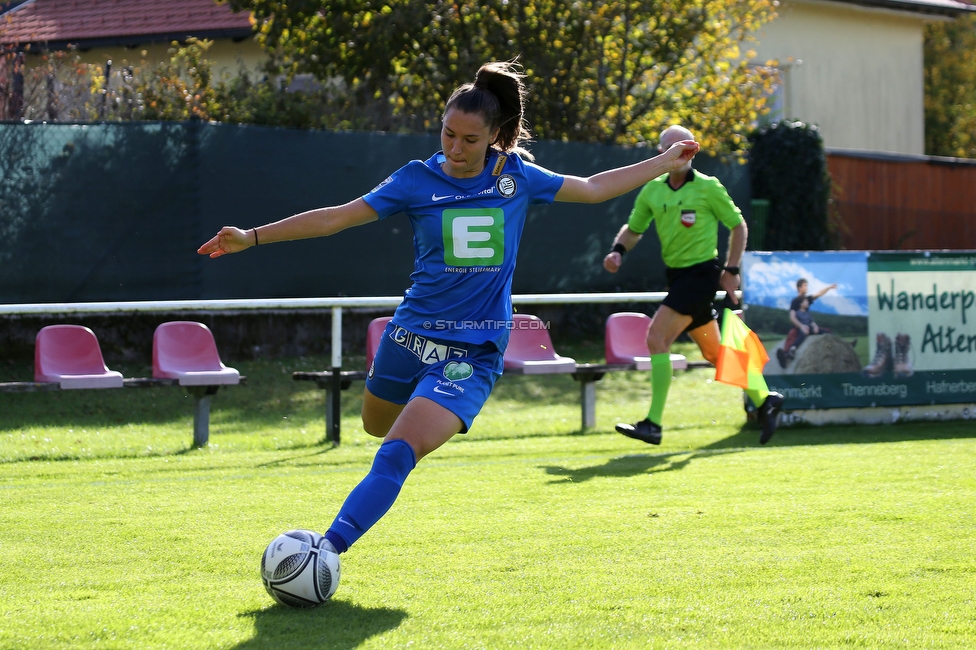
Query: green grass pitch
[(525, 533)]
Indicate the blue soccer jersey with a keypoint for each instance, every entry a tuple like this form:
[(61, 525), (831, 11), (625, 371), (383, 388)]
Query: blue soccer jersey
[(466, 236)]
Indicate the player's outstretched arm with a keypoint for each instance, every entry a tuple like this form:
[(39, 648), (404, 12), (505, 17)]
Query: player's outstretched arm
[(614, 182), (320, 222)]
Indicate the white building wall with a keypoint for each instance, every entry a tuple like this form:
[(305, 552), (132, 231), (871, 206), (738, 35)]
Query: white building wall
[(226, 55), (855, 72)]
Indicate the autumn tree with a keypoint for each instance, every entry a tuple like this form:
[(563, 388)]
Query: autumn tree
[(44, 86), (950, 88), (613, 72)]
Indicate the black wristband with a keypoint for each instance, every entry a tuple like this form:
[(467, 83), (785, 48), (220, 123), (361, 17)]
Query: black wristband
[(734, 270), (619, 248), (255, 231)]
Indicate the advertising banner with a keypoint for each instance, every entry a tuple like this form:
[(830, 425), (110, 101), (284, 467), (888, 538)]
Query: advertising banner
[(857, 329)]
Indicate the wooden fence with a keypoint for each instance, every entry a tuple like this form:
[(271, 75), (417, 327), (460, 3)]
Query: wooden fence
[(889, 202)]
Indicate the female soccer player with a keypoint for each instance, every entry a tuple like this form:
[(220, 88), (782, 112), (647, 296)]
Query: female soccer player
[(443, 351)]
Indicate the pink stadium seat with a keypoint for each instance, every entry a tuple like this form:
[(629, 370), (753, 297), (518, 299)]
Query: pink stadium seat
[(186, 351), (374, 334), (530, 349), (69, 355), (626, 341)]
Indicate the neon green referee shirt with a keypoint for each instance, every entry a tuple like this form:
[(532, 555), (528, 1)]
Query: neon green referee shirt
[(686, 219)]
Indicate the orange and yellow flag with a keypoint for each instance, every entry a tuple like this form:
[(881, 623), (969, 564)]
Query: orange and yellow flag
[(741, 356)]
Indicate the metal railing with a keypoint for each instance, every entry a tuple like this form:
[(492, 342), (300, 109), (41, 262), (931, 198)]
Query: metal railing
[(336, 305)]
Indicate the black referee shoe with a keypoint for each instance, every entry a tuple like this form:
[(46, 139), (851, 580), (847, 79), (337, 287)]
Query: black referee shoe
[(644, 430), (768, 413)]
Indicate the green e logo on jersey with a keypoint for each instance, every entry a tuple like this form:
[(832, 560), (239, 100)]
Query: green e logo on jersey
[(474, 236)]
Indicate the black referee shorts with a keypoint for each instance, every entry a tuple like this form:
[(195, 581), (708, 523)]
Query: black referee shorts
[(691, 291)]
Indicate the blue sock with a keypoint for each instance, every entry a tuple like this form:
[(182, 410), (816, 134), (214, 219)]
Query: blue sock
[(374, 495)]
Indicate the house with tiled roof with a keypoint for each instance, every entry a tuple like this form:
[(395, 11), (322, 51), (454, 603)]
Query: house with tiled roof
[(130, 30), (855, 68)]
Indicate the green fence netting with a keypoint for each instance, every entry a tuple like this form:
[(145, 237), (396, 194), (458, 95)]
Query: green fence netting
[(115, 212)]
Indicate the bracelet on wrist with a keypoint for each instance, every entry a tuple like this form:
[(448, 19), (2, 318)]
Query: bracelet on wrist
[(619, 248), (734, 270), (255, 231)]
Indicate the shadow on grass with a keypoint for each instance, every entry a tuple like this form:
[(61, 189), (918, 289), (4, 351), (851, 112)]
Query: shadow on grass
[(859, 434), (630, 465), (542, 388), (268, 395), (141, 455), (748, 437), (327, 446), (336, 625), (111, 407)]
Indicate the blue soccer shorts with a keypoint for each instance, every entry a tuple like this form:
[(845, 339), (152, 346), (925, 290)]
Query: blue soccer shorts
[(458, 376)]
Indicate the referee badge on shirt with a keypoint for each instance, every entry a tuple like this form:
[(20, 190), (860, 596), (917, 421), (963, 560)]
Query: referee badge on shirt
[(687, 218), (506, 186)]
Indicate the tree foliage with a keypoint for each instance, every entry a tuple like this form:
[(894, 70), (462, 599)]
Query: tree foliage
[(46, 86), (788, 167), (58, 87), (950, 88), (607, 71)]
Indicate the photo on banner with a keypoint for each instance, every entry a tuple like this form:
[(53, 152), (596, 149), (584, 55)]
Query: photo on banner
[(861, 329)]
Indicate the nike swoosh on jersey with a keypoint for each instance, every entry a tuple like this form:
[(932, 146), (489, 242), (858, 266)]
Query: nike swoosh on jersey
[(442, 392), (435, 198)]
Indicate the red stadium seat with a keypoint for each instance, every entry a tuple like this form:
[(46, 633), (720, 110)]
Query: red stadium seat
[(625, 341), (530, 349), (374, 334), (186, 351), (70, 356)]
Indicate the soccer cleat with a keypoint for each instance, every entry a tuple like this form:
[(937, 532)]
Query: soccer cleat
[(644, 430), (768, 413), (326, 545)]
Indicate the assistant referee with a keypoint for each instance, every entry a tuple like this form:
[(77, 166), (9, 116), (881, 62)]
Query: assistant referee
[(687, 208)]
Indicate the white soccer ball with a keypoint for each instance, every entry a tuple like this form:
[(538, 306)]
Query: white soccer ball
[(300, 568)]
